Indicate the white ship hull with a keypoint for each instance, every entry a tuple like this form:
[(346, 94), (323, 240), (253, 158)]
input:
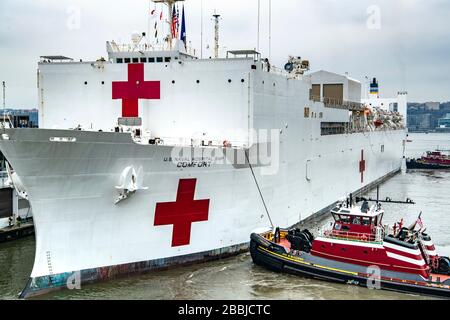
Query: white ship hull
[(81, 232)]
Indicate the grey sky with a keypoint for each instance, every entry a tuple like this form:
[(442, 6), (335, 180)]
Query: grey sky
[(410, 51)]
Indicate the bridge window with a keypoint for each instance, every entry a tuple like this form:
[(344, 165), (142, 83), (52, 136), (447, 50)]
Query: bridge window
[(135, 60), (159, 59), (127, 60), (167, 59), (143, 60), (119, 60), (151, 60), (366, 221)]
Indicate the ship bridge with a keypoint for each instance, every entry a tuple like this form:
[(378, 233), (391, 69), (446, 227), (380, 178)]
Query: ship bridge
[(148, 53)]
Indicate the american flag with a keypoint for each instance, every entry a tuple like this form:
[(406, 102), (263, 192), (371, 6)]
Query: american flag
[(419, 221), (174, 23)]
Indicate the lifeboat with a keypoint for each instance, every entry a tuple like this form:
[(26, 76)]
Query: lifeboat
[(356, 248)]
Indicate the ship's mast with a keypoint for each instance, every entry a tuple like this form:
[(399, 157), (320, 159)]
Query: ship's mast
[(169, 4), (4, 100), (201, 30), (270, 29), (216, 35), (259, 25)]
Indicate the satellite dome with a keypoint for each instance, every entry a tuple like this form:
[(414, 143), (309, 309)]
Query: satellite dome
[(135, 37)]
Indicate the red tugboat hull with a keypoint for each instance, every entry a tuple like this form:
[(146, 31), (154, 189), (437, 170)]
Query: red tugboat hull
[(389, 255), (276, 257), (435, 160)]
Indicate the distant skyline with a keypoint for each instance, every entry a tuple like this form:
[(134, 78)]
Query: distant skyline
[(405, 44)]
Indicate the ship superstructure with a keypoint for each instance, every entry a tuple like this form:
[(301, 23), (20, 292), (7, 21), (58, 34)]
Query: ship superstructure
[(153, 157)]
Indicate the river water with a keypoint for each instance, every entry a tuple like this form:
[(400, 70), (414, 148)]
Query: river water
[(237, 277)]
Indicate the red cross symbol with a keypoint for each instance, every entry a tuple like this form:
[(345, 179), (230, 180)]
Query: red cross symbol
[(182, 213), (362, 166), (134, 89)]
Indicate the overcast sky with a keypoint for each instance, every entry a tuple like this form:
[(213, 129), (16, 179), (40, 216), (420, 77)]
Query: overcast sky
[(404, 43)]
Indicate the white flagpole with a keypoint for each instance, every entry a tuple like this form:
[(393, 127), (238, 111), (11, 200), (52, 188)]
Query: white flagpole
[(201, 30), (149, 21), (4, 102), (259, 19), (270, 29)]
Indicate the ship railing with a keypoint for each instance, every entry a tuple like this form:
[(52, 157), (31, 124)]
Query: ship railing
[(338, 103), (277, 71), (186, 142), (353, 236), (146, 47)]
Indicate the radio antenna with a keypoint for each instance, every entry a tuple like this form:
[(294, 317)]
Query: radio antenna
[(4, 101), (259, 24), (201, 29), (216, 34), (270, 29)]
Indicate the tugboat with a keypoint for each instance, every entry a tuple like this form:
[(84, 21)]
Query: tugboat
[(358, 249), (439, 159)]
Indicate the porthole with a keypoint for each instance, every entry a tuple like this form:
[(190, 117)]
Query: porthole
[(198, 81), (85, 83), (229, 80)]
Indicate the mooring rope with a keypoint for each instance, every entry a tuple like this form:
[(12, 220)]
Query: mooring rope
[(259, 189)]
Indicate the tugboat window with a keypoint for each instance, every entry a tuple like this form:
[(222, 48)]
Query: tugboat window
[(159, 59), (119, 60), (151, 60), (127, 60), (135, 60), (143, 60)]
